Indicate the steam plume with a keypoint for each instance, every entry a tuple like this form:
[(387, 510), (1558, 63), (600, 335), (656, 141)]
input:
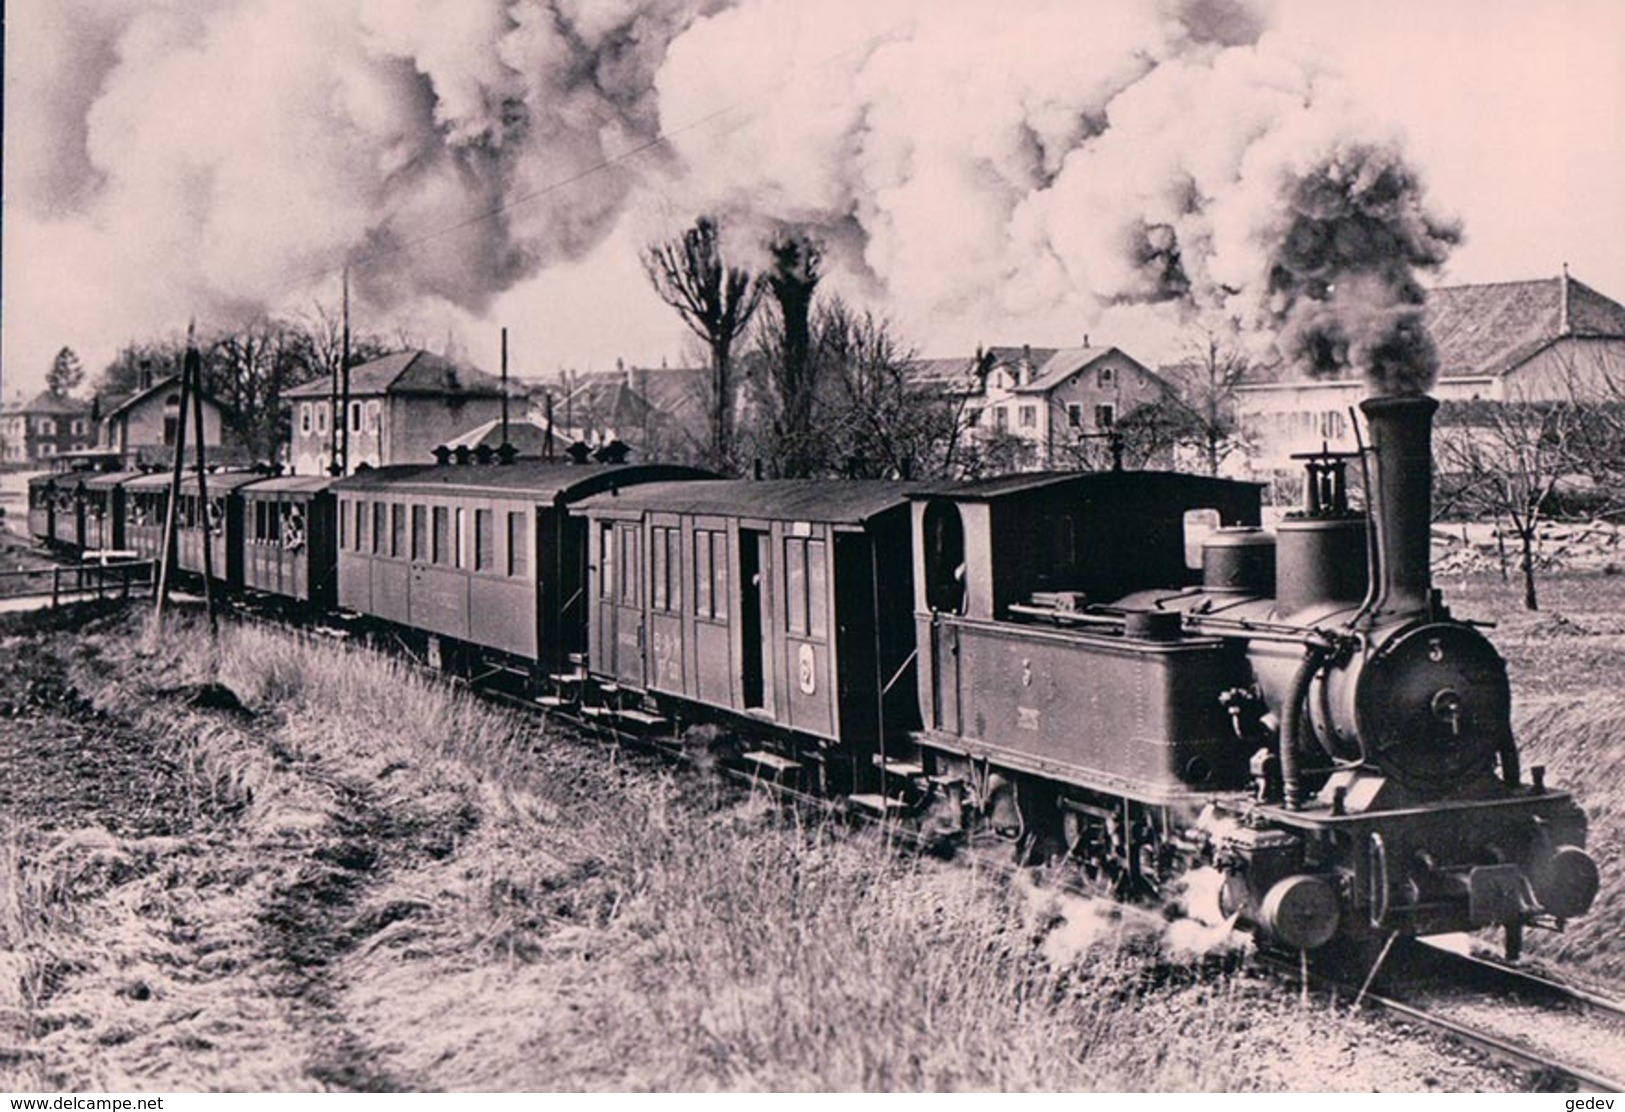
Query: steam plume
[(1033, 162)]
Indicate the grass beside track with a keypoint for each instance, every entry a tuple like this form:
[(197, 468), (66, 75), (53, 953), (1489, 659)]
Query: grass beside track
[(285, 863)]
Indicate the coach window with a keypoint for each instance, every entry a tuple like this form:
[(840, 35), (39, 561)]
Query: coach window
[(420, 533), (666, 562), (658, 594), (629, 564), (606, 560), (360, 523), (711, 574), (483, 536), (459, 553), (517, 551), (442, 536), (806, 580), (380, 527), (344, 530), (397, 532)]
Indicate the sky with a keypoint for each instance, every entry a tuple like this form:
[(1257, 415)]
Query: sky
[(1031, 171)]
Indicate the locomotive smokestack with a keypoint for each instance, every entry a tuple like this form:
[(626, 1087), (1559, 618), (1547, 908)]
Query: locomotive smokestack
[(1401, 501)]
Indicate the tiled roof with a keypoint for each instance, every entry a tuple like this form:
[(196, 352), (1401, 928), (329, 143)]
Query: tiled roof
[(959, 371), (47, 404), (1490, 329), (411, 372)]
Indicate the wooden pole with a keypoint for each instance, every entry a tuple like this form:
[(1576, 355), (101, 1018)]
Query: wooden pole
[(504, 387), (194, 367), (170, 518), (344, 367)]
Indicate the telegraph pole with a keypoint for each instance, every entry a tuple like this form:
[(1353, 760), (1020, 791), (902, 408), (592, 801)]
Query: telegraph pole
[(344, 365)]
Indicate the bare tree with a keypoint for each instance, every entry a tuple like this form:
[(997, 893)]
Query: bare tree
[(716, 302), (1507, 461), (882, 423)]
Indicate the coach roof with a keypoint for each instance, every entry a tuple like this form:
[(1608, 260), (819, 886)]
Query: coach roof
[(540, 480), (837, 502)]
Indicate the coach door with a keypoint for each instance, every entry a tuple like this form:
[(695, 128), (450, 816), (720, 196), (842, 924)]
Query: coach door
[(756, 619), (621, 587)]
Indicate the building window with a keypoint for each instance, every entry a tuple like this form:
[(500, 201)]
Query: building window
[(483, 540), (45, 426), (1029, 416), (321, 419), (355, 416), (373, 410), (1105, 415), (1074, 415), (47, 450), (1001, 419), (304, 418), (517, 549), (1106, 376), (805, 583), (973, 418), (78, 427), (711, 574)]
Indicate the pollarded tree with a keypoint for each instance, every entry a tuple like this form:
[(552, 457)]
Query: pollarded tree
[(716, 302), (786, 348)]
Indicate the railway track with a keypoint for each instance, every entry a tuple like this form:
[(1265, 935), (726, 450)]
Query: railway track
[(1561, 1038)]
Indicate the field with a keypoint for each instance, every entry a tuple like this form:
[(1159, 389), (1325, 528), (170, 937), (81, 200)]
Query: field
[(285, 863)]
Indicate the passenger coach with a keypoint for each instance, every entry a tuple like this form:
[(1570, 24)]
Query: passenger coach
[(480, 558), (785, 602), (289, 546)]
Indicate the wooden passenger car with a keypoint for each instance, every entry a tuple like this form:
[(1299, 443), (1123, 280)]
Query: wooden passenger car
[(105, 497), (222, 512), (56, 509), (486, 556), (290, 538), (787, 602), (42, 508), (146, 500), (1016, 668)]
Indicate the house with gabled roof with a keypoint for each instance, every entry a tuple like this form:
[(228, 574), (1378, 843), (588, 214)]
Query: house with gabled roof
[(401, 407), (1531, 341), (1063, 403), (140, 428)]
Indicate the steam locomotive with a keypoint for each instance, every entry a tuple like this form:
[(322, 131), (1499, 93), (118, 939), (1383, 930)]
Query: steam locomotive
[(1120, 672)]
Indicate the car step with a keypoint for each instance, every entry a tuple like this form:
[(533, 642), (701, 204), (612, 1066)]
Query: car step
[(641, 717), (912, 770), (772, 766), (878, 805)]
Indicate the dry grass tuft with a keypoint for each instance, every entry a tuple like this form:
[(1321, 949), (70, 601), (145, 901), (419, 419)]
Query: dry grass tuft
[(382, 883)]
